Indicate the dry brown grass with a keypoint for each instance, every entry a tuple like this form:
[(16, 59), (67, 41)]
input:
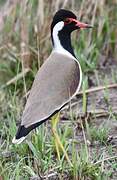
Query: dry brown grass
[(28, 24)]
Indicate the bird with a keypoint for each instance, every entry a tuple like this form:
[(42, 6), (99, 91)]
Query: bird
[(57, 81)]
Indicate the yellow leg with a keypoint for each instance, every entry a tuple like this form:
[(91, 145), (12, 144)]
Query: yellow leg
[(58, 143), (57, 147)]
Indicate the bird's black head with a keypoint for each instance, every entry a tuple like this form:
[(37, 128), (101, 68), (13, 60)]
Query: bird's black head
[(64, 22), (62, 16), (69, 20)]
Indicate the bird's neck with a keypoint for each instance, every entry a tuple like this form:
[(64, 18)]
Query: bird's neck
[(62, 42)]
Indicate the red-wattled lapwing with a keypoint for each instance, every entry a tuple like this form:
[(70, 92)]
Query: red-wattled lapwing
[(57, 81)]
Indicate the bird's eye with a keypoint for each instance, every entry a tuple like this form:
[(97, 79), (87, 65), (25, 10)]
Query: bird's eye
[(67, 21)]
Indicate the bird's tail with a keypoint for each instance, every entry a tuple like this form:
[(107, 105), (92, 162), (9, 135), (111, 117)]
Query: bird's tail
[(17, 141), (24, 131), (21, 135)]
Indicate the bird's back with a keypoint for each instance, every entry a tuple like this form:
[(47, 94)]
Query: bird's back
[(56, 81)]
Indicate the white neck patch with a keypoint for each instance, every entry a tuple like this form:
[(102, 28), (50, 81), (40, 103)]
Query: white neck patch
[(57, 45), (58, 27)]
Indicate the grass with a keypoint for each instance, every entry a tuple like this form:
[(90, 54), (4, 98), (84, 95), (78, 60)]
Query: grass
[(100, 134), (37, 156)]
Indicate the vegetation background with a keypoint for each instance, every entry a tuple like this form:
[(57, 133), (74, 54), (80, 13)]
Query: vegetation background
[(88, 129)]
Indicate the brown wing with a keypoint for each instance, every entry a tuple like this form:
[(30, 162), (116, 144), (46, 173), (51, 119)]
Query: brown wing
[(55, 82)]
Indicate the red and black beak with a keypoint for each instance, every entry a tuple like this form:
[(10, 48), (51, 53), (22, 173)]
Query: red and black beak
[(80, 24), (83, 25)]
